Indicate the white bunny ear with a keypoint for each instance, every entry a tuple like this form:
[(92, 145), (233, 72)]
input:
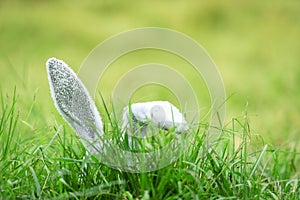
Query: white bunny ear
[(74, 103), (160, 114)]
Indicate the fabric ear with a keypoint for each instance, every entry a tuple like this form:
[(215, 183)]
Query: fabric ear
[(74, 103)]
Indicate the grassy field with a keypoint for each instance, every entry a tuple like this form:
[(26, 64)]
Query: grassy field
[(256, 47)]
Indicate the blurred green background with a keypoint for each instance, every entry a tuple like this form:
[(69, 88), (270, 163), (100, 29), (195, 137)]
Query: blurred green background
[(255, 44)]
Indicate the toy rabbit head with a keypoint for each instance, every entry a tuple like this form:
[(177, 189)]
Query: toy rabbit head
[(74, 103)]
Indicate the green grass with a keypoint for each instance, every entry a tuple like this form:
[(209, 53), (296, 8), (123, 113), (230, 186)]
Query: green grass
[(58, 167)]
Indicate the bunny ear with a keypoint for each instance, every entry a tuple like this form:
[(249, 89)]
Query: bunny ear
[(74, 103)]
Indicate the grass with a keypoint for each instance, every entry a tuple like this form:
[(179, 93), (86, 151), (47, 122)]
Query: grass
[(58, 167)]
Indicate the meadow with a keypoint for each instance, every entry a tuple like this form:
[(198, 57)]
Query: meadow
[(256, 48)]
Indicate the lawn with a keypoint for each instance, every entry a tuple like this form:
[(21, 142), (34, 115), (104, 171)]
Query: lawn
[(256, 48)]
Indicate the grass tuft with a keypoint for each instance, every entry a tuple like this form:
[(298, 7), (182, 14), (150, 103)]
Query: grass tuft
[(60, 168)]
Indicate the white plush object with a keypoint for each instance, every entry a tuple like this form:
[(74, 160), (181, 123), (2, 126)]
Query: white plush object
[(139, 118), (161, 114), (74, 103)]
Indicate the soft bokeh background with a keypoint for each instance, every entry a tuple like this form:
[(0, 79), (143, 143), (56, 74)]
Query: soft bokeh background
[(255, 44)]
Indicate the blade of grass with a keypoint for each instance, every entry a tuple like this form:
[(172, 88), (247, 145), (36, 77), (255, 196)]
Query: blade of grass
[(36, 182), (258, 161)]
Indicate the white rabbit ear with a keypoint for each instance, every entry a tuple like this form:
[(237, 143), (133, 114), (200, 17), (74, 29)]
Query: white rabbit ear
[(74, 103)]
